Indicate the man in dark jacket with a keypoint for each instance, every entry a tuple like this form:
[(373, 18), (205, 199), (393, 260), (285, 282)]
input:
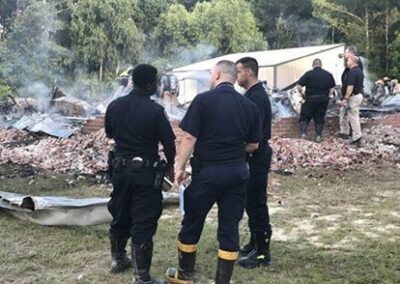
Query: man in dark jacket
[(137, 124), (257, 251), (219, 126)]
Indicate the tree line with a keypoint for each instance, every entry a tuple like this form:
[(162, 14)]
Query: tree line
[(41, 38)]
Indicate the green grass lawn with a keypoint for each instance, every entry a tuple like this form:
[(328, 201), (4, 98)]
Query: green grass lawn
[(337, 228)]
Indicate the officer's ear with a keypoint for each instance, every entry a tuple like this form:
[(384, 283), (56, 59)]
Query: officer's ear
[(217, 75), (151, 87)]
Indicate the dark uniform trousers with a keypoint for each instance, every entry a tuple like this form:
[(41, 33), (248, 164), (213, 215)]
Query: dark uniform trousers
[(223, 184), (135, 204), (256, 196), (315, 108)]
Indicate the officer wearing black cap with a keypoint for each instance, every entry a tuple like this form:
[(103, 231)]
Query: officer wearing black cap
[(257, 251), (137, 124), (220, 126)]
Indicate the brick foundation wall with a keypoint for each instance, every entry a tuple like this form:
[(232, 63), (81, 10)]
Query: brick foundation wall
[(286, 127), (93, 124), (289, 127)]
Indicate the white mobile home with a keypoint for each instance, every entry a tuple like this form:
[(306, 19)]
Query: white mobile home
[(280, 68)]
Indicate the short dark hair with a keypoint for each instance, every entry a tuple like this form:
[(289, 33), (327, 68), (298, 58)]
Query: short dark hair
[(227, 67), (144, 74), (317, 62), (352, 49), (249, 62)]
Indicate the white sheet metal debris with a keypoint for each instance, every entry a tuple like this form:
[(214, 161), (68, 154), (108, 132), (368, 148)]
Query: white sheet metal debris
[(54, 211), (62, 211), (54, 125)]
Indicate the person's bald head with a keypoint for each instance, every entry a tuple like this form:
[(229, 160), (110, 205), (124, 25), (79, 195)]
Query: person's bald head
[(223, 71), (317, 63)]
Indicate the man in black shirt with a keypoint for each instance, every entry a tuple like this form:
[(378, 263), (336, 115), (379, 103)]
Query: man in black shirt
[(257, 252), (352, 99), (349, 52), (219, 126), (319, 84), (137, 124)]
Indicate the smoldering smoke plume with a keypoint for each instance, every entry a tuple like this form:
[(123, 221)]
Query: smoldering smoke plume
[(308, 32), (33, 61), (182, 56), (199, 52)]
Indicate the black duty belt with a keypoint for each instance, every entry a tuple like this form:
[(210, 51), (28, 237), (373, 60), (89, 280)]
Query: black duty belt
[(135, 162)]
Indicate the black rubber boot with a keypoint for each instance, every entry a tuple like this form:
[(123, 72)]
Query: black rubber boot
[(261, 255), (120, 261), (185, 273), (246, 249), (318, 130), (303, 129), (141, 259), (224, 271)]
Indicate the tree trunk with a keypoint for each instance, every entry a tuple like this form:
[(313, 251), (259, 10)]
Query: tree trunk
[(387, 36), (367, 25), (101, 70)]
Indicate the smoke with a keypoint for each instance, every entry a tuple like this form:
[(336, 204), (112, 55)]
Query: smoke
[(181, 56), (34, 63), (199, 52), (39, 91), (368, 83), (308, 32)]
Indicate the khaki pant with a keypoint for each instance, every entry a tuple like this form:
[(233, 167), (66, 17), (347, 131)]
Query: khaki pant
[(170, 101), (351, 117)]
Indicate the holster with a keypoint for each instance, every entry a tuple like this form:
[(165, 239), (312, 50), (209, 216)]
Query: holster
[(161, 169), (111, 157)]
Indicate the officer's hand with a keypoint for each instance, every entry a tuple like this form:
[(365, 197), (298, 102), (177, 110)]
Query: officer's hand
[(180, 175), (344, 103)]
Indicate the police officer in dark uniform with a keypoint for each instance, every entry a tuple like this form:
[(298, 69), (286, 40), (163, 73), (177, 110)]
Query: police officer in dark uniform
[(137, 124), (220, 126), (319, 85), (257, 251)]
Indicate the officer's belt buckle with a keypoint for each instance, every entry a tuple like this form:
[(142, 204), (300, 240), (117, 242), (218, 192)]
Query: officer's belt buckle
[(137, 162)]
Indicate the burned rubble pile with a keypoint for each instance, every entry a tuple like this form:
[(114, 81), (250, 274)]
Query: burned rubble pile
[(87, 154), (56, 114), (381, 145)]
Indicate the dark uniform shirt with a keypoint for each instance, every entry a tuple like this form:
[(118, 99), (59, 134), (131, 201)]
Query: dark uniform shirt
[(138, 124), (354, 77), (259, 160), (318, 82), (222, 120), (344, 74)]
